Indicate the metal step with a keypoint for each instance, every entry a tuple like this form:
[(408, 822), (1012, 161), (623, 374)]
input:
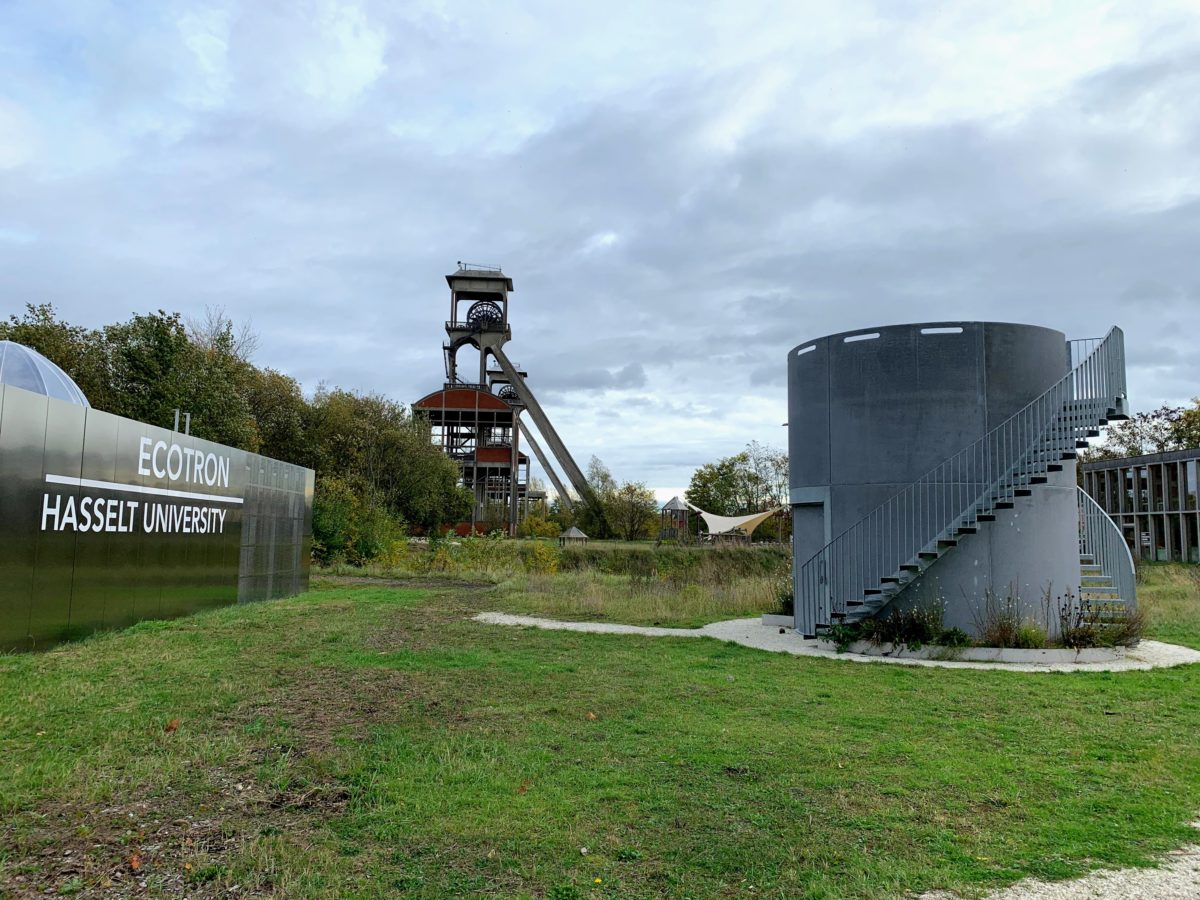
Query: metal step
[(985, 517)]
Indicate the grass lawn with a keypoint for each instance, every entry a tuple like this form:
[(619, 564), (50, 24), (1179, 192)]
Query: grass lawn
[(367, 741)]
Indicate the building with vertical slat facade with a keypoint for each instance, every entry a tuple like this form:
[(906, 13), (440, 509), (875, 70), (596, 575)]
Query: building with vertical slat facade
[(1153, 499)]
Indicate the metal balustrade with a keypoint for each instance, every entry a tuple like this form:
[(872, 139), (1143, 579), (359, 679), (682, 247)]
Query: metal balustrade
[(863, 567), (1100, 538)]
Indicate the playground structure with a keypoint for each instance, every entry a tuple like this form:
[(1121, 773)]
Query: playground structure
[(935, 464), (479, 423)]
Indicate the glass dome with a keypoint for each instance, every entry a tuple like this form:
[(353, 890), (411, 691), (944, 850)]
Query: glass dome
[(25, 368)]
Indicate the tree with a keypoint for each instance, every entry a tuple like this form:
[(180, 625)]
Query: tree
[(592, 518), (215, 328), (754, 480), (717, 487), (80, 352), (377, 467), (1158, 431), (632, 510), (279, 410), (372, 441)]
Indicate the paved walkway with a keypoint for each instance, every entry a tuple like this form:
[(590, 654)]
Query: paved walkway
[(752, 633)]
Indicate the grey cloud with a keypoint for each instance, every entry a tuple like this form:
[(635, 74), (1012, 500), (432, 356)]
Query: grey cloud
[(332, 230)]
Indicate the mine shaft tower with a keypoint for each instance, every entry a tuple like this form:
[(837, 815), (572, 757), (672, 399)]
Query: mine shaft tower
[(479, 422)]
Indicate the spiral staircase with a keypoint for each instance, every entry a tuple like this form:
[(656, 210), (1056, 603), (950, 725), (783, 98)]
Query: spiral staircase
[(870, 564)]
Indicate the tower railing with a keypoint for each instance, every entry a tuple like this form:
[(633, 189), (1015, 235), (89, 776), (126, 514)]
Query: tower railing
[(1101, 539), (890, 546)]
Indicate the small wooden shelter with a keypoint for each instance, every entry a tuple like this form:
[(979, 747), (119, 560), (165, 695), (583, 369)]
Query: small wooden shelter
[(571, 537)]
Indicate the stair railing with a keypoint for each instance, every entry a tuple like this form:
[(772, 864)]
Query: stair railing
[(895, 536), (1101, 538)]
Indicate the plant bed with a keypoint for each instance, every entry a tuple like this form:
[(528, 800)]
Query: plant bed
[(1049, 656)]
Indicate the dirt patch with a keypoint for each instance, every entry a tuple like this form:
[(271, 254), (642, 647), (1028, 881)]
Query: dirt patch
[(317, 706), (164, 846), (186, 839)]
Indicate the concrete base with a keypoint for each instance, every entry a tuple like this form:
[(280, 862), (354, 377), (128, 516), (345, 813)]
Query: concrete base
[(779, 621), (1029, 550), (988, 654), (751, 633)]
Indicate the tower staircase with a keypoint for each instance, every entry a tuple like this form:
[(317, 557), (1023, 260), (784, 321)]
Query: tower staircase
[(1106, 572), (873, 561)]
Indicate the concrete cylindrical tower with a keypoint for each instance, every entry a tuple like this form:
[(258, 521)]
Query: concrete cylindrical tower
[(874, 410)]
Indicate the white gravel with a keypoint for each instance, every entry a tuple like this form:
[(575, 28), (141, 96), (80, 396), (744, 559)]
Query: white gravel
[(752, 633)]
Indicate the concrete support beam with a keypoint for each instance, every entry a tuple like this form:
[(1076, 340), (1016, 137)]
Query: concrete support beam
[(542, 421), (537, 451)]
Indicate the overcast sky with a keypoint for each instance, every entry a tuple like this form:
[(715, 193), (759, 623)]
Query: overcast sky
[(681, 191)]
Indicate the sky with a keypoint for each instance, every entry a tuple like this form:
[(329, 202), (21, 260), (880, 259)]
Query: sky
[(681, 192)]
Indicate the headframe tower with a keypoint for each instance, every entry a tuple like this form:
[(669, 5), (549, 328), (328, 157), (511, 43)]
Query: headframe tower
[(474, 427)]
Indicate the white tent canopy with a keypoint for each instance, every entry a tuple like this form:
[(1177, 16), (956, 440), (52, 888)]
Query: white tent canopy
[(734, 524)]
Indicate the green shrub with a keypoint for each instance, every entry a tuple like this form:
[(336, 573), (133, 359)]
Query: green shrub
[(715, 565), (536, 525), (540, 559), (353, 526), (998, 618), (913, 628), (1030, 636), (1088, 623), (954, 637), (843, 634)]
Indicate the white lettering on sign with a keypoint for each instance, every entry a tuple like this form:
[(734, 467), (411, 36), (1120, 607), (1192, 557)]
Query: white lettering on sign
[(163, 460), (109, 514), (205, 513)]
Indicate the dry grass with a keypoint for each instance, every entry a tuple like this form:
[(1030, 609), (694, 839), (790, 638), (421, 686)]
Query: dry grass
[(598, 597), (1169, 596)]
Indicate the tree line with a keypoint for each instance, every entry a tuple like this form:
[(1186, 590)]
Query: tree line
[(1157, 431), (378, 472)]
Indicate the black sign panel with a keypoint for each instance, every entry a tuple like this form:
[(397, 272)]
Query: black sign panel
[(105, 521)]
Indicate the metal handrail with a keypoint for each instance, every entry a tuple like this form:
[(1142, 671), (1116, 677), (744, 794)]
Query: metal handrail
[(899, 538), (1101, 538)]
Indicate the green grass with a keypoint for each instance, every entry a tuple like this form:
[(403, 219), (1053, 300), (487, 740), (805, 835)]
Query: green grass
[(367, 741)]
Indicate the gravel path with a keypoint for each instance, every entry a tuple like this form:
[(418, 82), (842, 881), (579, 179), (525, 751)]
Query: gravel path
[(752, 633)]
